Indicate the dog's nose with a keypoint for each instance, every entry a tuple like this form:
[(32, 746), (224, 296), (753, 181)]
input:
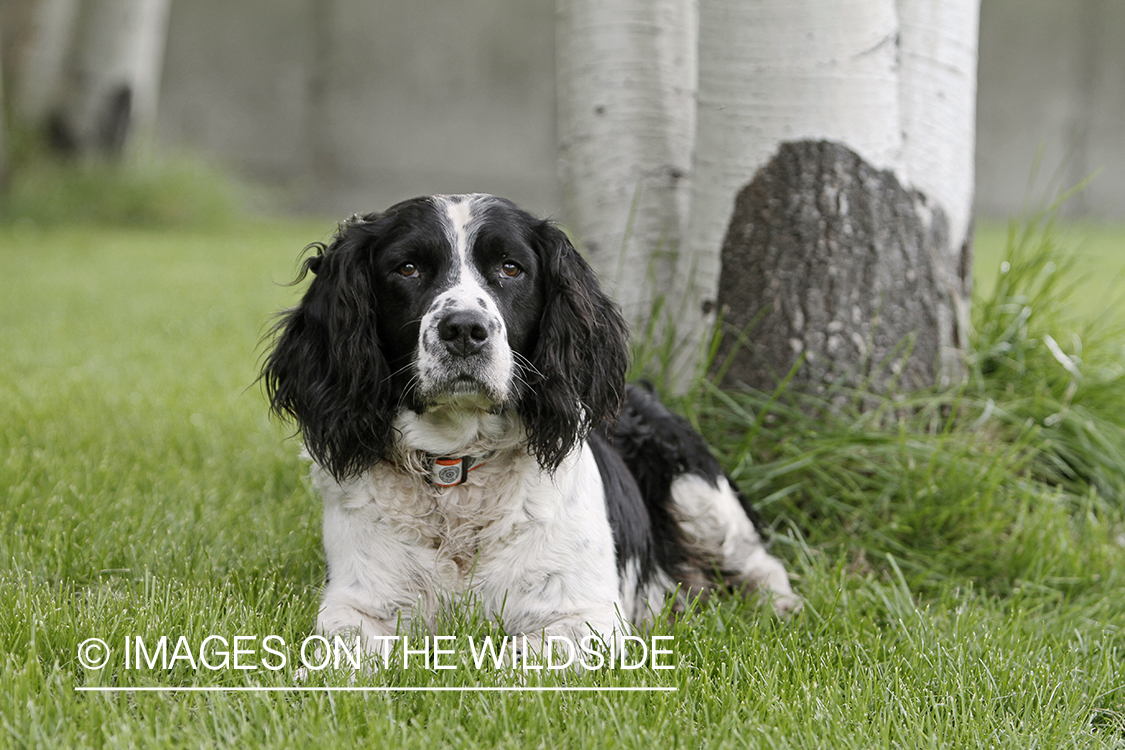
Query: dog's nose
[(463, 332)]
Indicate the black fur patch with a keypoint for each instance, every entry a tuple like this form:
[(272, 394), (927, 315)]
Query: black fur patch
[(658, 446), (625, 508)]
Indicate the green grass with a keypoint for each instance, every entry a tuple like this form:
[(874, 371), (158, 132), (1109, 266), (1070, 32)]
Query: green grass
[(962, 563), (1095, 250)]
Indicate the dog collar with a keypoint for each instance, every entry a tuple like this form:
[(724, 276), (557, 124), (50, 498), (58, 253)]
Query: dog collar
[(450, 472)]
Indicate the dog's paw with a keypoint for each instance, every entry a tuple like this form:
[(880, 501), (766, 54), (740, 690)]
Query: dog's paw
[(785, 604)]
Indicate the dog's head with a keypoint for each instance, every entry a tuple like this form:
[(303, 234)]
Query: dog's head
[(447, 302)]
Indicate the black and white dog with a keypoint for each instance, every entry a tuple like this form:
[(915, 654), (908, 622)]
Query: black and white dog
[(458, 378)]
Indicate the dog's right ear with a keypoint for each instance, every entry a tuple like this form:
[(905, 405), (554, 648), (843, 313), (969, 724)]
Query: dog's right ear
[(326, 369)]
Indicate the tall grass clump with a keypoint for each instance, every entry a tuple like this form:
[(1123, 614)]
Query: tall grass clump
[(1016, 477), (1038, 362)]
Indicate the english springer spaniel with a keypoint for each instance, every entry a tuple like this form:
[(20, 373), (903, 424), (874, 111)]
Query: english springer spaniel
[(458, 379)]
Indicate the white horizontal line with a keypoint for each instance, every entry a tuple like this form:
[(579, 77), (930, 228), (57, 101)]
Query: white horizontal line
[(376, 689)]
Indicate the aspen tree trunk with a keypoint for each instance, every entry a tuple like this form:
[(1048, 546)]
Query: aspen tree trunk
[(847, 250), (801, 71), (831, 186), (626, 72), (938, 93), (38, 86), (111, 75)]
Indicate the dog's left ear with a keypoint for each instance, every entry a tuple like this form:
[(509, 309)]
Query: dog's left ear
[(581, 355)]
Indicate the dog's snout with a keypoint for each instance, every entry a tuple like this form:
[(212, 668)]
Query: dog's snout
[(464, 332)]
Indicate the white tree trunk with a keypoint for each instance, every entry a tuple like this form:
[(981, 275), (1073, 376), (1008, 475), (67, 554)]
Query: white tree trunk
[(937, 95), (39, 84), (773, 72), (780, 86), (626, 74), (112, 76)]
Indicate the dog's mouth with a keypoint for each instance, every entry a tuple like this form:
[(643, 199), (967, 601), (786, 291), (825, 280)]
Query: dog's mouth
[(483, 380), (465, 383), (464, 389)]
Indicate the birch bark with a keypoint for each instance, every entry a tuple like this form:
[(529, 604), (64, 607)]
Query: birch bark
[(937, 93), (842, 116), (770, 73), (106, 92), (626, 73)]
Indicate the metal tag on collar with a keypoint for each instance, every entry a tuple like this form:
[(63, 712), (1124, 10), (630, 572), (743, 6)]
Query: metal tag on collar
[(450, 472)]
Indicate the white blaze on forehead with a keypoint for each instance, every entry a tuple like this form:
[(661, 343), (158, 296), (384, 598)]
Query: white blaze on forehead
[(461, 217)]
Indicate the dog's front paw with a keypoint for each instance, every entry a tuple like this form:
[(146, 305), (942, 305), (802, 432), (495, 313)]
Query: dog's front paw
[(565, 646), (353, 640), (785, 604)]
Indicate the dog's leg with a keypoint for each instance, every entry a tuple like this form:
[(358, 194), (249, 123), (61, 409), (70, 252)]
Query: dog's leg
[(717, 528), (376, 635), (376, 583), (575, 641), (555, 574)]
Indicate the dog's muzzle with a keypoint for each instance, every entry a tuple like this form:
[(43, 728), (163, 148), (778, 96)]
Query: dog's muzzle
[(464, 352)]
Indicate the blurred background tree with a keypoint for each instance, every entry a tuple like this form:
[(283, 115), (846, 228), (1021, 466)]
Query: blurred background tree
[(91, 75), (83, 79)]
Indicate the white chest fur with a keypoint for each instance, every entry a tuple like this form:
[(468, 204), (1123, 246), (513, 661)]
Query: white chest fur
[(531, 548)]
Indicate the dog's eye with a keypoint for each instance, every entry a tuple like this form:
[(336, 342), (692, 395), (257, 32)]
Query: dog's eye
[(511, 270), (409, 270)]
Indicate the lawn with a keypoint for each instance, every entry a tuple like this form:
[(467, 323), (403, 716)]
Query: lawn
[(1097, 251), (962, 555)]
